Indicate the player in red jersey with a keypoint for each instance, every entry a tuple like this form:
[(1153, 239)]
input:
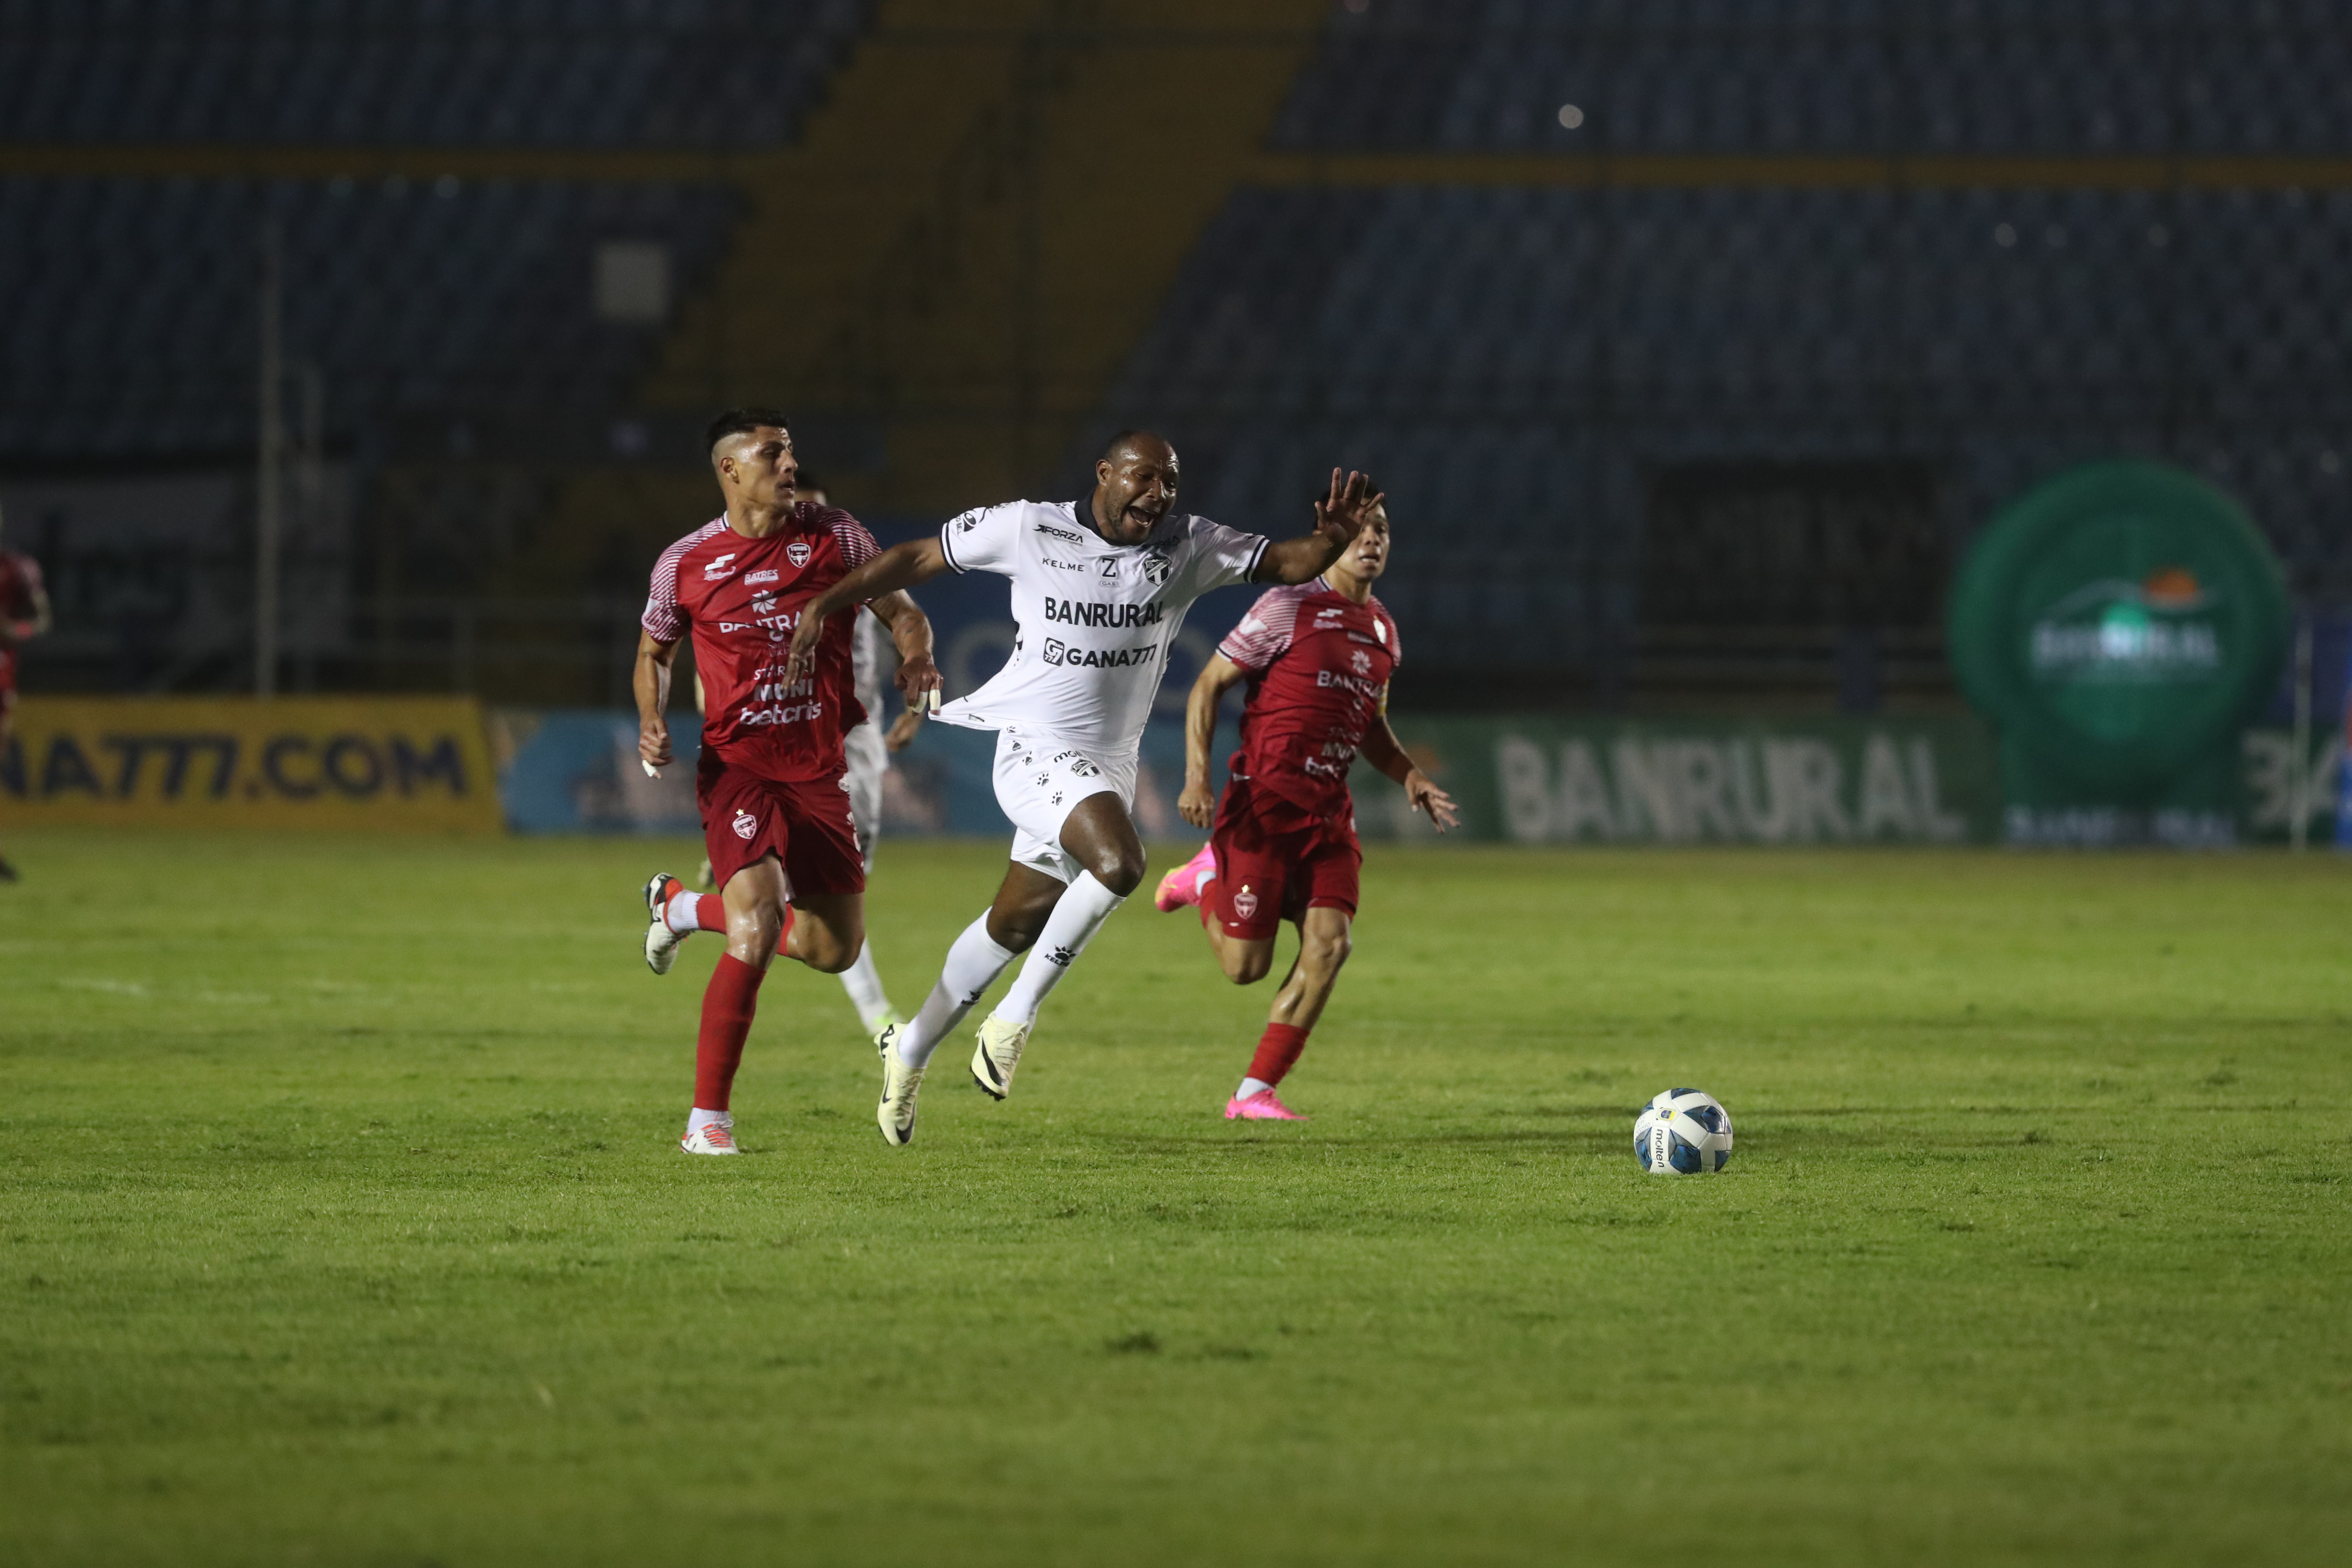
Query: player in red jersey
[(23, 613), (1283, 845), (771, 781)]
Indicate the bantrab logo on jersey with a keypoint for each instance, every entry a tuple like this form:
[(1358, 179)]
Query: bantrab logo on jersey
[(1156, 567)]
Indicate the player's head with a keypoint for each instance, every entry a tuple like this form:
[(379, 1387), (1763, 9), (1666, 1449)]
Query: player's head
[(751, 453), (1135, 486), (1367, 557)]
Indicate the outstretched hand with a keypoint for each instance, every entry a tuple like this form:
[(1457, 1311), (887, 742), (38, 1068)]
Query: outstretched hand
[(1427, 797), (1340, 515)]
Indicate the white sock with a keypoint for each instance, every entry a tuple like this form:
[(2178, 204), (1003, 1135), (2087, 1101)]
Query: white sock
[(1251, 1086), (680, 914), (1083, 908), (863, 983), (972, 964), (697, 1118)]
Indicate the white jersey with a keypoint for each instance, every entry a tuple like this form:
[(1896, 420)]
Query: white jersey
[(869, 646), (1093, 618)]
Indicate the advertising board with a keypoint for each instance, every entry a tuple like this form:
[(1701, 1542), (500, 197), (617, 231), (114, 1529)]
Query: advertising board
[(395, 762)]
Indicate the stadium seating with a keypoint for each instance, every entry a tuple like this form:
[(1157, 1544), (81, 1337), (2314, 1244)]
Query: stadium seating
[(1510, 362), (1985, 77), (137, 299), (560, 73)]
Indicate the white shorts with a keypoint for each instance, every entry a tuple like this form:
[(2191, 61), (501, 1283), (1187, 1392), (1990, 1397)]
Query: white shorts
[(1039, 781), (867, 757)]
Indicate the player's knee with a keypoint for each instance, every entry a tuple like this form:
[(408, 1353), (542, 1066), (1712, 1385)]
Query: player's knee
[(1247, 968), (1120, 869), (1326, 952), (830, 958)]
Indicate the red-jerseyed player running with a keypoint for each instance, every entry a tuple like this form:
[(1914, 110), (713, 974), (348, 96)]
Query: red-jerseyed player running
[(1283, 846), (771, 781)]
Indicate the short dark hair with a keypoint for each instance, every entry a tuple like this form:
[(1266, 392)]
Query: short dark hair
[(743, 421), (1136, 434)]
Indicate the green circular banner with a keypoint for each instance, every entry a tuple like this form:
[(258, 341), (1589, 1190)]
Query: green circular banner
[(2120, 622)]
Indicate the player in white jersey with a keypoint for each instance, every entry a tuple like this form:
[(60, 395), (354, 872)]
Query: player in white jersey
[(867, 751), (1099, 591)]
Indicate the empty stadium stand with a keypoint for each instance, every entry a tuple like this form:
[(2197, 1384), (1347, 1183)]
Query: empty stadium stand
[(710, 74), (133, 302), (2135, 245)]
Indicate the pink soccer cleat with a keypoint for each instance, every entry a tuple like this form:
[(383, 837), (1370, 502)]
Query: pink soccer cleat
[(1183, 886), (1260, 1107)]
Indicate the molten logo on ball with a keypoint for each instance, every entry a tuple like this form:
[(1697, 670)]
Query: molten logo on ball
[(1682, 1132)]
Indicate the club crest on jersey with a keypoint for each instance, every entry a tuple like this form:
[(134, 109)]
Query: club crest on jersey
[(1110, 567), (746, 825), (1245, 904), (1156, 567), (798, 552), (718, 566)]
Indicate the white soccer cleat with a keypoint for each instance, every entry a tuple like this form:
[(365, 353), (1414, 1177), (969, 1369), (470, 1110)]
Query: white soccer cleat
[(998, 1055), (896, 1114), (710, 1138), (661, 942)]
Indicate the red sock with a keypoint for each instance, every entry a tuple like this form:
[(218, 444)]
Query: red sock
[(1277, 1052), (710, 914), (727, 1007)]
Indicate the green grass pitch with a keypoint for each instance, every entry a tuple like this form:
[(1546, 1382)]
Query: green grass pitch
[(344, 1223)]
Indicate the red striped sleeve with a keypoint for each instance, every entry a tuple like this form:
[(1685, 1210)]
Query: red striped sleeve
[(662, 620), (857, 546), (1265, 632)]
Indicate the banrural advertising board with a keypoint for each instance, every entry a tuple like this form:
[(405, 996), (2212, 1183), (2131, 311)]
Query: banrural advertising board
[(2119, 625)]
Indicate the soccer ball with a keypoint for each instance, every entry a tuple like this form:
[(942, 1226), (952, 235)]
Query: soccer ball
[(1681, 1134)]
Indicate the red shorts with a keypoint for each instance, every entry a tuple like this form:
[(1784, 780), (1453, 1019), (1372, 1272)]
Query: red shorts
[(806, 827), (1276, 860)]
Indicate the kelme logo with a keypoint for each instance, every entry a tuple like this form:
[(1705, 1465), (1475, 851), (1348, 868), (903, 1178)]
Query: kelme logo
[(2114, 630)]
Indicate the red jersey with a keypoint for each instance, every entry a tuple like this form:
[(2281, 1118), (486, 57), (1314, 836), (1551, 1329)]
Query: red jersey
[(1318, 665), (20, 581), (741, 597)]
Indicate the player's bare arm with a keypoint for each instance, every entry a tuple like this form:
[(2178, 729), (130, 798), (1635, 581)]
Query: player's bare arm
[(1197, 804), (1338, 517), (1382, 750), (896, 569), (918, 674), (651, 681)]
